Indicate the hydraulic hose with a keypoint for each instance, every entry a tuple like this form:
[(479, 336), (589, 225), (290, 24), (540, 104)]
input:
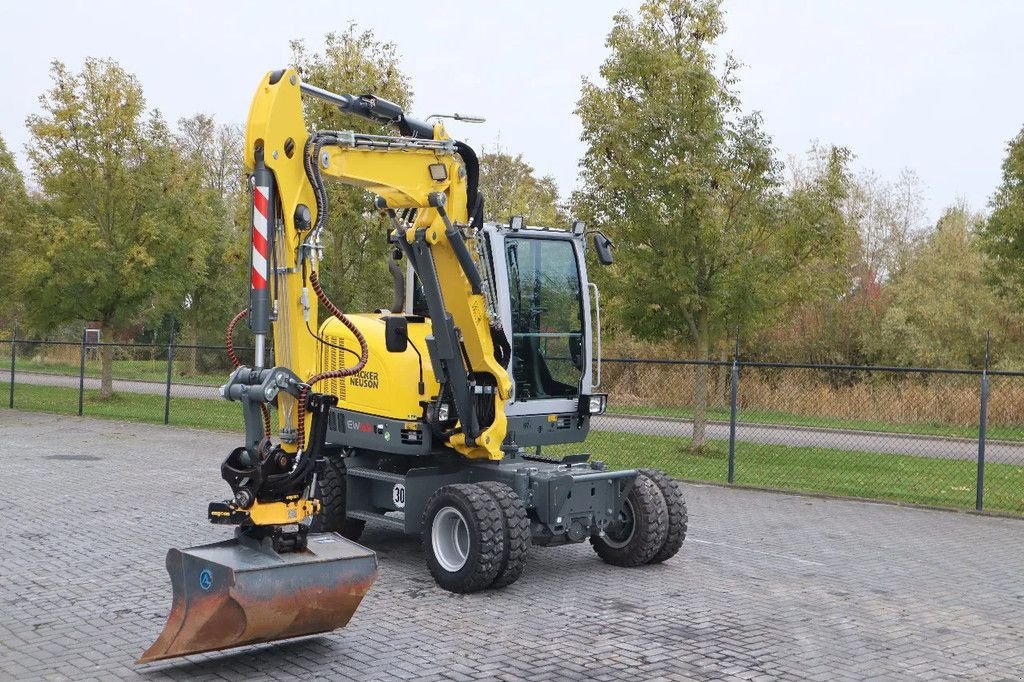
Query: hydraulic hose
[(314, 282), (229, 345)]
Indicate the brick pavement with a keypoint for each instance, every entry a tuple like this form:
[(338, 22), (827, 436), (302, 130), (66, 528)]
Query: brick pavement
[(768, 586)]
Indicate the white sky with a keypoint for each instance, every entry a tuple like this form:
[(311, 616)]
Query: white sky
[(930, 85)]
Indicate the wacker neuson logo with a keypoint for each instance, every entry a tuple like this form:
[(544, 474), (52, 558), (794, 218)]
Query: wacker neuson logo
[(365, 379)]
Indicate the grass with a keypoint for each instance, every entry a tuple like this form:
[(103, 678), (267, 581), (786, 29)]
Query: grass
[(138, 370), (914, 480), (196, 412), (774, 417)]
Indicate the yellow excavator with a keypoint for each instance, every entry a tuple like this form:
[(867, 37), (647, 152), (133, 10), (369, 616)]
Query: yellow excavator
[(427, 417)]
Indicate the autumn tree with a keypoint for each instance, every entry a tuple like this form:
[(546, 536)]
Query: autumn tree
[(940, 305), (214, 152), (217, 149), (686, 185), (889, 217), (1001, 236), (511, 188), (118, 221), (14, 207), (355, 236), (813, 243)]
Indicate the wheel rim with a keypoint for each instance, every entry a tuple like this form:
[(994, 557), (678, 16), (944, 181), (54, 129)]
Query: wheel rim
[(620, 532), (449, 536)]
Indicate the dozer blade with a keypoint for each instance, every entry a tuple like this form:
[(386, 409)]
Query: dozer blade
[(229, 594)]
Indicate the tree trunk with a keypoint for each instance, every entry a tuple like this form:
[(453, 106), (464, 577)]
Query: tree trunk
[(722, 376), (700, 384), (192, 339), (107, 363)]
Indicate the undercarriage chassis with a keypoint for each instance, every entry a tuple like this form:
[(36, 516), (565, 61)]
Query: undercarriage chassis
[(566, 501)]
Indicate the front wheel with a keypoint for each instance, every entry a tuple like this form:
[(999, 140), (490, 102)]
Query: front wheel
[(672, 491), (333, 516), (463, 537), (640, 529), (517, 532)]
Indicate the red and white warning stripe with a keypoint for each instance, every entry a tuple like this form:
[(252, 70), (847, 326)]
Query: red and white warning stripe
[(259, 238)]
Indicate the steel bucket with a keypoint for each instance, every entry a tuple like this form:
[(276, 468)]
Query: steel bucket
[(229, 594)]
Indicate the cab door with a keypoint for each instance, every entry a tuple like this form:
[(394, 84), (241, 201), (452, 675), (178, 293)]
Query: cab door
[(546, 316)]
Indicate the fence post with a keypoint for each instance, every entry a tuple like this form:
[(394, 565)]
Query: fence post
[(14, 356), (170, 368), (732, 409), (81, 372), (982, 426)]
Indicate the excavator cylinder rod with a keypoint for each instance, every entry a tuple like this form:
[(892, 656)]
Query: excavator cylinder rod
[(231, 593)]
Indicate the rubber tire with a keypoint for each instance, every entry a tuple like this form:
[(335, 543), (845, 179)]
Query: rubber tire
[(486, 537), (650, 527), (672, 491), (517, 533), (333, 514)]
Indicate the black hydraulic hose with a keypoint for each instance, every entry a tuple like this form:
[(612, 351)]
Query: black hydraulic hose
[(474, 207), (315, 144)]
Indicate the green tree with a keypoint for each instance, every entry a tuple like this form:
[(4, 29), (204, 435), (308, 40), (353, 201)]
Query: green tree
[(355, 236), (813, 324), (1002, 235), (119, 217), (216, 154), (814, 243), (940, 306), (14, 207), (836, 317), (511, 188), (686, 185)]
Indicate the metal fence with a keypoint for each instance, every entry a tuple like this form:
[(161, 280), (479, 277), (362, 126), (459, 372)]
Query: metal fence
[(943, 437), (168, 383)]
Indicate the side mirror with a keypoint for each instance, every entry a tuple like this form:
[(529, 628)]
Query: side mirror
[(603, 246), (396, 333)]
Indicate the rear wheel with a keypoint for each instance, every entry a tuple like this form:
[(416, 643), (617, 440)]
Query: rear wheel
[(672, 491), (331, 491), (640, 530), (517, 532), (463, 537)]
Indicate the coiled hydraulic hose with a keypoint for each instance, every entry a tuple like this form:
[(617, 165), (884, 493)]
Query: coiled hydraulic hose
[(314, 282), (229, 345)]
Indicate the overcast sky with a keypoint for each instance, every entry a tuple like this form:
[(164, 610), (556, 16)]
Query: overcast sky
[(927, 85)]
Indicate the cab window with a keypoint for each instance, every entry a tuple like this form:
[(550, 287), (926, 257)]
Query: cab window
[(547, 317)]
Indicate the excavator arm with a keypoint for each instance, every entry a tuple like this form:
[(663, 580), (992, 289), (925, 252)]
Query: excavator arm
[(431, 183), (275, 579)]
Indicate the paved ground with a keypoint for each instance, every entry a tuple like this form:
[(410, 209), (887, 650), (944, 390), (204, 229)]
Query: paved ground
[(855, 441), (768, 586)]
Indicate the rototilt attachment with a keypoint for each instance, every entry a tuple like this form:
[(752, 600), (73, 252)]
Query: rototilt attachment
[(238, 592)]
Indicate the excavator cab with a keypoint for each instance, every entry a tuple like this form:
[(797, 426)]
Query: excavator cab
[(552, 312), (547, 318)]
